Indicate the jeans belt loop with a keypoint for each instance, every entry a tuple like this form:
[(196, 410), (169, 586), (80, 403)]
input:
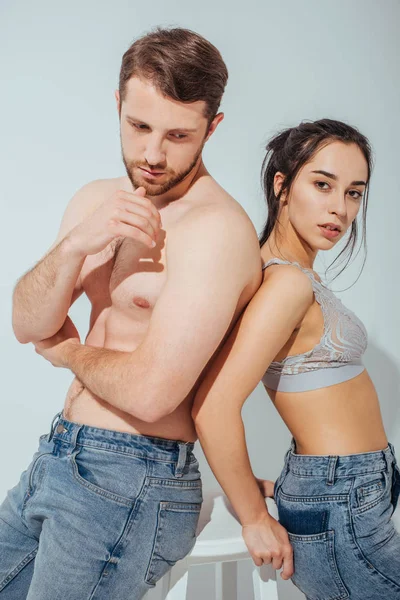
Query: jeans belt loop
[(330, 480), (182, 456), (53, 425), (74, 439)]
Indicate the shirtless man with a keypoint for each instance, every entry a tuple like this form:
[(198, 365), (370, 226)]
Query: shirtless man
[(168, 260)]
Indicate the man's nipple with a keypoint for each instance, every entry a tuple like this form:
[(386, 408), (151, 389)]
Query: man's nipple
[(141, 302)]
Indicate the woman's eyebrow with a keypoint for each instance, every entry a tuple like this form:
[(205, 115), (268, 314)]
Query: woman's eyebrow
[(335, 178)]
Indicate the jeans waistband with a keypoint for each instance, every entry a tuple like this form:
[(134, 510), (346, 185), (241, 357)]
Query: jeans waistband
[(73, 434), (335, 466)]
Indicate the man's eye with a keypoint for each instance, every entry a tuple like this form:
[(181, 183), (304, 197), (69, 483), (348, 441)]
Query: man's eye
[(178, 136), (139, 126)]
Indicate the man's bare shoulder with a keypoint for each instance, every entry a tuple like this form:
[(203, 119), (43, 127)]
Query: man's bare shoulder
[(94, 193), (209, 197), (215, 220), (213, 207), (85, 201)]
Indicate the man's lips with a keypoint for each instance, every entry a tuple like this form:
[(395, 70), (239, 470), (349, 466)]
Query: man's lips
[(151, 174)]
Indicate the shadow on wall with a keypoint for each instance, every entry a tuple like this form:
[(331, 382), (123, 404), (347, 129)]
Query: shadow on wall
[(386, 376)]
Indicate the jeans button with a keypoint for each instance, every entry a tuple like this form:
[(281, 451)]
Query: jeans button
[(61, 429)]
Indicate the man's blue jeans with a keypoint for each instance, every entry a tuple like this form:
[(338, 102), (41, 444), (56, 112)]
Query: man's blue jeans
[(98, 514)]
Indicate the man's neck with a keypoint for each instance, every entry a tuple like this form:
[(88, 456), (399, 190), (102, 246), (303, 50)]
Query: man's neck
[(180, 190)]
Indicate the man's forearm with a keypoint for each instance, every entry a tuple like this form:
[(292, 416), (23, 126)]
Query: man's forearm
[(222, 439), (43, 296), (113, 376)]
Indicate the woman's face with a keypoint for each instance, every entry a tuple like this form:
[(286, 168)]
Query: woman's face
[(327, 194)]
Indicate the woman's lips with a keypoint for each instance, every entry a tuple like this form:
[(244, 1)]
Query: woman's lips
[(329, 233)]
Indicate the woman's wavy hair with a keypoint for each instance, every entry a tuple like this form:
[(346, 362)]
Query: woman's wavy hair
[(290, 150)]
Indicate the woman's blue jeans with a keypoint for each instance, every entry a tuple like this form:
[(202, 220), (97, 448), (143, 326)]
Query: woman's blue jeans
[(338, 512)]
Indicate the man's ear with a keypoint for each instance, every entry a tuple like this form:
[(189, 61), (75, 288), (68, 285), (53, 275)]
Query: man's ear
[(118, 101), (214, 124)]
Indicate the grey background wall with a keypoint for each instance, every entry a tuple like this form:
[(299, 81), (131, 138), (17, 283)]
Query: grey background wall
[(288, 61)]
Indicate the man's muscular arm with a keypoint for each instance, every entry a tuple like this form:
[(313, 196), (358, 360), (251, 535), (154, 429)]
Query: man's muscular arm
[(211, 259), (43, 295), (94, 217)]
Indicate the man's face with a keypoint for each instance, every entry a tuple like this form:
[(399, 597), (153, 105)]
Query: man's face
[(161, 139)]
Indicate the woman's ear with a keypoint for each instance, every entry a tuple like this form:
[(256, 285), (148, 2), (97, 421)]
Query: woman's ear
[(278, 182)]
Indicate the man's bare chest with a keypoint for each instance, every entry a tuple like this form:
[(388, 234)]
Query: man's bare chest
[(125, 276)]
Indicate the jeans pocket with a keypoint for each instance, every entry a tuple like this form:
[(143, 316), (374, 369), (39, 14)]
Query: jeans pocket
[(279, 482), (35, 470), (315, 570), (371, 513), (174, 538), (369, 491), (113, 475), (395, 486)]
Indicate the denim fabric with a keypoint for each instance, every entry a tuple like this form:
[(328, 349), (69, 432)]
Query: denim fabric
[(338, 513), (98, 515)]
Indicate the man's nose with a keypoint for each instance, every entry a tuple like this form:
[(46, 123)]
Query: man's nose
[(154, 152)]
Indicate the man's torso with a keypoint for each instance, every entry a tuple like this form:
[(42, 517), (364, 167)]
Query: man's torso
[(123, 283)]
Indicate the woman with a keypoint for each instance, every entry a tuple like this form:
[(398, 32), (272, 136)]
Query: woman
[(340, 482)]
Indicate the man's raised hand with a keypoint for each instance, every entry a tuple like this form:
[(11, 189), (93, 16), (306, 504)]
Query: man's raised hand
[(124, 214)]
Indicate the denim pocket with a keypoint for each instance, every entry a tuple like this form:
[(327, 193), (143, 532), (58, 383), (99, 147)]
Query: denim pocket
[(113, 475), (35, 469), (33, 476), (395, 486), (315, 570), (279, 482), (369, 492), (371, 512), (175, 537)]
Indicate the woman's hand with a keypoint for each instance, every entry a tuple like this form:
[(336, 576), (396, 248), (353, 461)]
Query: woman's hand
[(266, 487), (268, 543)]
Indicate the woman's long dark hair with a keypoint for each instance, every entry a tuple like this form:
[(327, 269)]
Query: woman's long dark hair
[(290, 150)]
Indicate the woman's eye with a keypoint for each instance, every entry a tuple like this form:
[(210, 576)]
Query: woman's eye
[(322, 185), (355, 194)]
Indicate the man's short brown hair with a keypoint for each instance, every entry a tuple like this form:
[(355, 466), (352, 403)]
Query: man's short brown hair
[(182, 64)]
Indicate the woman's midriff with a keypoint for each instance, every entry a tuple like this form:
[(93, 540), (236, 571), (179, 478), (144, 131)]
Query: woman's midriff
[(340, 419)]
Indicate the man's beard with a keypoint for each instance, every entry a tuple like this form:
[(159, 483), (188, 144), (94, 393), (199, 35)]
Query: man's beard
[(156, 189)]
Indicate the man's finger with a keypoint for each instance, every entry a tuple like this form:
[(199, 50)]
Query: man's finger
[(140, 191)]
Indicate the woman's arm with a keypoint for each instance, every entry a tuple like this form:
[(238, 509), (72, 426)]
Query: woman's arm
[(267, 323)]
